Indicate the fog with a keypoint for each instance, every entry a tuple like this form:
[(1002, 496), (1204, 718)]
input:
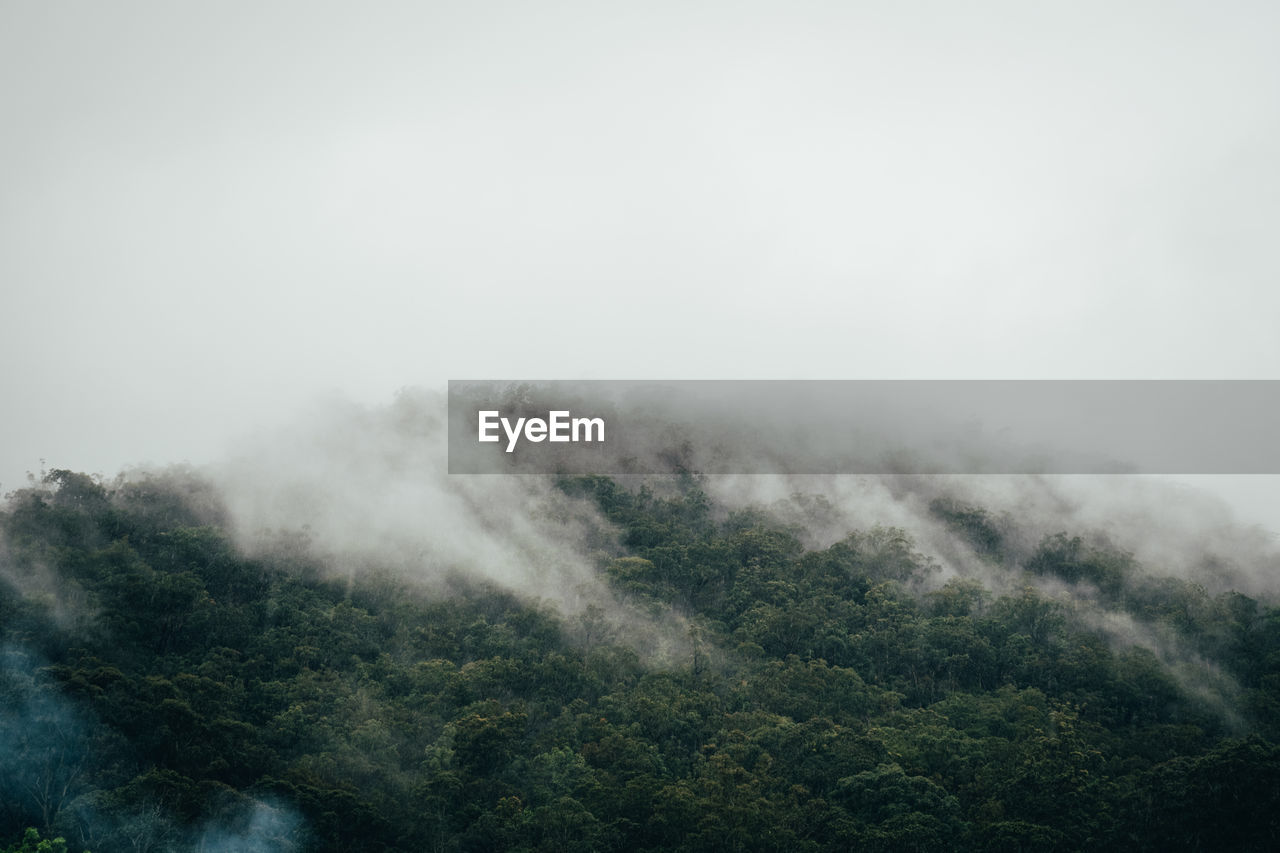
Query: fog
[(213, 217), (365, 491), (210, 216), (230, 233), (49, 742), (368, 487)]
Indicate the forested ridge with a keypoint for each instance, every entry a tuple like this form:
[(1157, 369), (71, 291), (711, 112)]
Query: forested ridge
[(161, 690)]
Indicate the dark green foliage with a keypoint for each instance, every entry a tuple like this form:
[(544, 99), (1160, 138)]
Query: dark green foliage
[(974, 524), (1070, 560), (1227, 799), (160, 691), (32, 843)]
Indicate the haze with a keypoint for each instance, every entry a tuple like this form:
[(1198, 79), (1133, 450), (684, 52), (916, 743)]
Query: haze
[(213, 214)]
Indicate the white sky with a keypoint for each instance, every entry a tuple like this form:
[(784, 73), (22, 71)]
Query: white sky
[(211, 213)]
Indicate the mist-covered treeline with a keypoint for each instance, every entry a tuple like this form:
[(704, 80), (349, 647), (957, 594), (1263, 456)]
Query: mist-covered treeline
[(160, 689)]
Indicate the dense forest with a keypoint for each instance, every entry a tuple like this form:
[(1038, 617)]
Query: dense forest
[(161, 690)]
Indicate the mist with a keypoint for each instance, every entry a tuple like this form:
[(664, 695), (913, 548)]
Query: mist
[(368, 490), (347, 521), (254, 241), (48, 745), (210, 218), (369, 486)]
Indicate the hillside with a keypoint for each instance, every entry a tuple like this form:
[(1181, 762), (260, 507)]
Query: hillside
[(163, 690)]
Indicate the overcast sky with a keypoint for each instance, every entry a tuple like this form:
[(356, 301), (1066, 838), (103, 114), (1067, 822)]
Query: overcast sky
[(212, 213)]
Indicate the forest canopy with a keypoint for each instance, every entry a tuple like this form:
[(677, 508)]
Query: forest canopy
[(162, 689)]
